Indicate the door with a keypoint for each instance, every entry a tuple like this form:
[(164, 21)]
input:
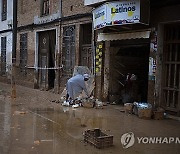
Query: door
[(171, 68), (68, 53), (46, 61), (86, 56)]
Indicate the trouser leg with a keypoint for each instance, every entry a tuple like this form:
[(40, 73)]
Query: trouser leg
[(67, 96)]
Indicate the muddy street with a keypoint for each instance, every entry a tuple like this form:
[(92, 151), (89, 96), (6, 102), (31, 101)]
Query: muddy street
[(34, 124)]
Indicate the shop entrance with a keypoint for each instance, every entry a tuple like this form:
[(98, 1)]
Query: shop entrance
[(127, 60)]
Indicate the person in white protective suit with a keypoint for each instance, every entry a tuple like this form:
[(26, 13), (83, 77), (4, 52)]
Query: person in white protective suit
[(75, 86)]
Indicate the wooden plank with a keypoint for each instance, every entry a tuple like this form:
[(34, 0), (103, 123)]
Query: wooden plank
[(178, 106), (172, 42), (175, 75), (170, 89), (171, 62), (172, 109)]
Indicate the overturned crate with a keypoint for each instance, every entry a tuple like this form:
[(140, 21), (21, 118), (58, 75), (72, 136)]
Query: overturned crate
[(97, 138)]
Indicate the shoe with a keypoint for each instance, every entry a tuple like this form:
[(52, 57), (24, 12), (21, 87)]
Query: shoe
[(65, 103)]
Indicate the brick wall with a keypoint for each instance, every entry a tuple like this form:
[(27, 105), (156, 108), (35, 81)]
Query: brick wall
[(27, 10), (72, 7)]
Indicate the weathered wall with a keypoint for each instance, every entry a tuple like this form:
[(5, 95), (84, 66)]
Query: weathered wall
[(165, 14), (21, 78), (72, 7), (27, 10)]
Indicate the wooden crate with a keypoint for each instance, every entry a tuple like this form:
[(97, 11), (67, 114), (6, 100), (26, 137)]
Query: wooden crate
[(97, 138), (158, 115), (145, 113), (88, 103), (128, 107)]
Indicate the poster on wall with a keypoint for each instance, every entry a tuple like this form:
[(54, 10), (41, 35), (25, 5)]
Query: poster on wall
[(98, 60), (152, 68)]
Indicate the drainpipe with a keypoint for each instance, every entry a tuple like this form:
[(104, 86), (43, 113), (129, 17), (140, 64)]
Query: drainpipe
[(59, 52), (14, 40)]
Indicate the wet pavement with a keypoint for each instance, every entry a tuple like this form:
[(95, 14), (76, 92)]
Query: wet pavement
[(33, 124)]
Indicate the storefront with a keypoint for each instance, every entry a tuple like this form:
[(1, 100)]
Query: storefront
[(167, 87), (122, 51)]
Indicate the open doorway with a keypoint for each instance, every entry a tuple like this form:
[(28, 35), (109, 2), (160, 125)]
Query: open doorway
[(126, 60), (46, 59)]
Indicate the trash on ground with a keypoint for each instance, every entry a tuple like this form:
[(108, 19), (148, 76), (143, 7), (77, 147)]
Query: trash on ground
[(20, 112), (128, 108), (75, 106), (83, 125), (97, 138), (113, 103), (37, 142), (98, 104), (105, 103)]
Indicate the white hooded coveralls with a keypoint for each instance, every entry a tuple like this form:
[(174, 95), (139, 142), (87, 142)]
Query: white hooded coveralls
[(75, 86)]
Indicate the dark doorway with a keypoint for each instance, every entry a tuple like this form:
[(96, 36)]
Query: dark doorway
[(126, 60), (86, 56), (46, 59)]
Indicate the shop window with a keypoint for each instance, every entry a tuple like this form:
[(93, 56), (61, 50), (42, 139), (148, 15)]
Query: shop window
[(23, 53), (4, 10), (45, 7), (3, 55)]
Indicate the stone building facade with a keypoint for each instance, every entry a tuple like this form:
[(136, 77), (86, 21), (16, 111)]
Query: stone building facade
[(49, 41), (6, 18)]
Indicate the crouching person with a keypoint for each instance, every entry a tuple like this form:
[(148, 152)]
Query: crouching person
[(75, 87)]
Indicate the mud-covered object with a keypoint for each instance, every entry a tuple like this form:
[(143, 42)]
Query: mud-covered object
[(88, 102)]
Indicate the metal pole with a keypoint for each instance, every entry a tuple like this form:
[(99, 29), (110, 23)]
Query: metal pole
[(14, 40)]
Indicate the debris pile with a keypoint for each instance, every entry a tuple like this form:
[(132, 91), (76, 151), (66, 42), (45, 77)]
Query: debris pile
[(144, 110), (84, 102)]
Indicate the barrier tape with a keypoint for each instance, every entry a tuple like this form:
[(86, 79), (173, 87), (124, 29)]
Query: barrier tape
[(46, 68)]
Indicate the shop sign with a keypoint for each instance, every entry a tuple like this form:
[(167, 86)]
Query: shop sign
[(100, 17), (117, 13)]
